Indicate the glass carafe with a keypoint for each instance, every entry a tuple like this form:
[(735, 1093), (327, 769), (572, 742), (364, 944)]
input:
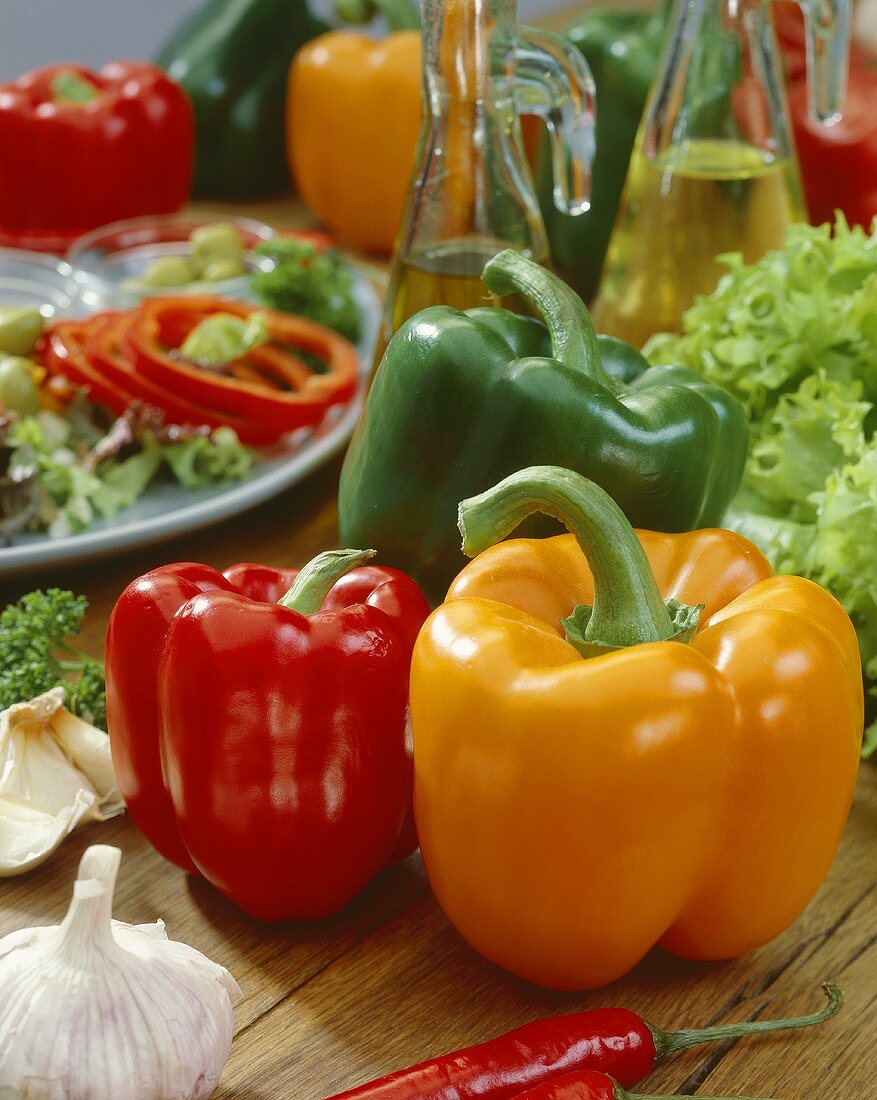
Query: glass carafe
[(713, 170), (472, 193)]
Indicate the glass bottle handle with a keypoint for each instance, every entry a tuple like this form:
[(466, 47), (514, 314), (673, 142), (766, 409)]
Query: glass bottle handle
[(553, 81), (828, 26)]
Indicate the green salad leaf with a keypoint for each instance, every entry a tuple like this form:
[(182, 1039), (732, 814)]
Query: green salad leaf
[(85, 473), (794, 338)]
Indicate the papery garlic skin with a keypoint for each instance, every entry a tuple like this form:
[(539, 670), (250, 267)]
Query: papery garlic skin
[(94, 1009), (56, 773)]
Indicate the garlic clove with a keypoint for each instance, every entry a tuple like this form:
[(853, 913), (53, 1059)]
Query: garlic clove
[(87, 748), (95, 1009), (55, 774)]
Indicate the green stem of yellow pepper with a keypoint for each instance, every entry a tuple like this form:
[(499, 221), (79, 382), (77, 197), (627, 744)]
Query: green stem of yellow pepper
[(400, 15), (628, 608)]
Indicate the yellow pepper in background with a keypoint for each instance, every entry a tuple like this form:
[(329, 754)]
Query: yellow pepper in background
[(353, 122), (594, 773)]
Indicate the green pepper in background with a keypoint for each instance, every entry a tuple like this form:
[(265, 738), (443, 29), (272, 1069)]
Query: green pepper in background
[(462, 400), (232, 57), (623, 48)]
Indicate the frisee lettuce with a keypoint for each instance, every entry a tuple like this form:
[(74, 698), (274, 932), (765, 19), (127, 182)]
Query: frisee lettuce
[(794, 338)]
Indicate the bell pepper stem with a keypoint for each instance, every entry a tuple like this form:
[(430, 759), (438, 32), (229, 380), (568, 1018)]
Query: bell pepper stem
[(628, 609), (572, 332), (69, 87), (670, 1042), (400, 15), (318, 577)]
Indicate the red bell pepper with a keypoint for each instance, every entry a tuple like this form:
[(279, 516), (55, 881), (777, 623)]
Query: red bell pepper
[(79, 149), (838, 163), (261, 738)]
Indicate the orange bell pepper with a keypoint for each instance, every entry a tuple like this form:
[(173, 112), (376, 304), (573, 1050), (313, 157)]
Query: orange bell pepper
[(592, 777), (353, 122)]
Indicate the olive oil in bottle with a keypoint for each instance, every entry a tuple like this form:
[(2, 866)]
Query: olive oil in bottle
[(449, 273), (679, 212)]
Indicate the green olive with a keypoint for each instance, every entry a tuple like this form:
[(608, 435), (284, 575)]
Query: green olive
[(215, 242), (217, 270), (20, 328), (18, 391), (169, 271)]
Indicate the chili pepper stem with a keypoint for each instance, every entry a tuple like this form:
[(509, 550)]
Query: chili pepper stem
[(620, 1094), (317, 578), (573, 336), (628, 608), (670, 1042)]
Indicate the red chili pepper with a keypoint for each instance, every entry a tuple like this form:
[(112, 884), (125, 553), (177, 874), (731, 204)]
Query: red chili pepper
[(285, 392), (80, 148), (593, 1085), (264, 743), (611, 1042)]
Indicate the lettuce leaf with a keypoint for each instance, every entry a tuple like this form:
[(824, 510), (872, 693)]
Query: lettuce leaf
[(794, 338), (203, 460)]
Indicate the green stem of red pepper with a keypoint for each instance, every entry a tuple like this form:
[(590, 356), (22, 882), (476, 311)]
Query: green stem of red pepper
[(68, 87), (318, 577), (628, 608), (572, 332)]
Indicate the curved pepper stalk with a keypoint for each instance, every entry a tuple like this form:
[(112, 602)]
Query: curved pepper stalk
[(628, 609), (463, 399)]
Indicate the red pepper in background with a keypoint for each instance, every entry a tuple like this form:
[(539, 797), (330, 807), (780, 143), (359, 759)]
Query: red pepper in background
[(262, 738), (609, 1042), (80, 148), (838, 163)]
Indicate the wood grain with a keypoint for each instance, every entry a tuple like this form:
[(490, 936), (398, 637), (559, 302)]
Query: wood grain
[(388, 982)]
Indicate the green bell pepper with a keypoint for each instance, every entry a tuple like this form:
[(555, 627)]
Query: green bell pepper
[(622, 48), (232, 57), (461, 400)]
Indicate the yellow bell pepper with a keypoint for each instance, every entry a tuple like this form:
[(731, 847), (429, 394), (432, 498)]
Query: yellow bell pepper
[(596, 772), (353, 122)]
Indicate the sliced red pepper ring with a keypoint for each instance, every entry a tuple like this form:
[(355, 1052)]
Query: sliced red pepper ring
[(288, 393), (104, 353), (62, 352)]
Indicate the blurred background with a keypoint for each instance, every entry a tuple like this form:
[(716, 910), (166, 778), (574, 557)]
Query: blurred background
[(92, 32)]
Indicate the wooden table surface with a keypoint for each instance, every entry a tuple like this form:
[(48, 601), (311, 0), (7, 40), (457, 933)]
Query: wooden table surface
[(388, 982)]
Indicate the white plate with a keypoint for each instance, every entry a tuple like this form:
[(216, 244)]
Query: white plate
[(168, 510)]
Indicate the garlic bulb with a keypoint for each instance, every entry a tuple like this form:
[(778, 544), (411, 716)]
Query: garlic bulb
[(94, 1009), (55, 774)]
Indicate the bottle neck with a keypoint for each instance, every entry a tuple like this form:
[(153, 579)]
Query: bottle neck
[(468, 50), (720, 81)]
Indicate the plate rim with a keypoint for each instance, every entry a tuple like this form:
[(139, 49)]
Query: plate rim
[(240, 497)]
